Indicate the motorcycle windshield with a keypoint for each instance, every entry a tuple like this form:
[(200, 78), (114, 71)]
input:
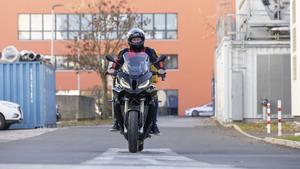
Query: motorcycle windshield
[(136, 64)]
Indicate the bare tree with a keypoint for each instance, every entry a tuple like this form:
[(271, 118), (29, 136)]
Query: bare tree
[(104, 34), (208, 25)]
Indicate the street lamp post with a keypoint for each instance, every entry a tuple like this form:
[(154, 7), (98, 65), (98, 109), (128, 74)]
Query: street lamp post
[(78, 59), (53, 28)]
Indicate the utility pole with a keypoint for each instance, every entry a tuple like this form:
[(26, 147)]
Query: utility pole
[(53, 27)]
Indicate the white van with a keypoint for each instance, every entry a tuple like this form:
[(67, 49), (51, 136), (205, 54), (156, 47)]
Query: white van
[(10, 113)]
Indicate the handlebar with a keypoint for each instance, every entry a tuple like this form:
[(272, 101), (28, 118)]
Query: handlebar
[(163, 76)]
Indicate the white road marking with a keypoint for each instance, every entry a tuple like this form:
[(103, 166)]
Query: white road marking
[(152, 158), (116, 158)]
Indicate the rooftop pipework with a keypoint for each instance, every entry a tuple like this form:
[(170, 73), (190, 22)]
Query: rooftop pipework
[(256, 20)]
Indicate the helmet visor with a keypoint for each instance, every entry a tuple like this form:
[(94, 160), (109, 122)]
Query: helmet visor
[(136, 40)]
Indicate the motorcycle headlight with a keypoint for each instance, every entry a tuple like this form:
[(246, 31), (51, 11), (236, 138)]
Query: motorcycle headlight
[(144, 84), (123, 83)]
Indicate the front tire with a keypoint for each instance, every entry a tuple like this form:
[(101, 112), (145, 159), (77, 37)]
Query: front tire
[(133, 132), (195, 113), (2, 122)]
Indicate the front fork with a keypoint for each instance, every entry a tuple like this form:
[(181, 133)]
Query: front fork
[(142, 114), (126, 113)]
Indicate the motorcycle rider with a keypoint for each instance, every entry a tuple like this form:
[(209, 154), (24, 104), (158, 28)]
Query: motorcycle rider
[(136, 39)]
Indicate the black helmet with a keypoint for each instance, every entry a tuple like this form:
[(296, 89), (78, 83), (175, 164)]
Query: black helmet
[(134, 33)]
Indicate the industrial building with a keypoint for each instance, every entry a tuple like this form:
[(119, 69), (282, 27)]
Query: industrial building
[(252, 60), (295, 61)]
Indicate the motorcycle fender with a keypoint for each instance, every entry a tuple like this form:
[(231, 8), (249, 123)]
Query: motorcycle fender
[(127, 116)]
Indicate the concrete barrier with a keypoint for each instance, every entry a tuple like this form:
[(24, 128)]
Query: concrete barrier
[(76, 107)]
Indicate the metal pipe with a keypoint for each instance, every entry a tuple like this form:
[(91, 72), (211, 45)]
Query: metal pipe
[(78, 71), (53, 28)]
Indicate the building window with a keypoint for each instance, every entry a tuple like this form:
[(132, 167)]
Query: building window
[(86, 22), (171, 62), (61, 29), (171, 26), (71, 26), (65, 63), (24, 27), (47, 26), (160, 26), (36, 26), (148, 25)]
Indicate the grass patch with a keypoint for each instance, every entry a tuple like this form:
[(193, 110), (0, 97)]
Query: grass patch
[(262, 127), (292, 138), (94, 122)]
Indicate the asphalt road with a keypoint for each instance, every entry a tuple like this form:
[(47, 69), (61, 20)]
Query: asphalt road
[(184, 143)]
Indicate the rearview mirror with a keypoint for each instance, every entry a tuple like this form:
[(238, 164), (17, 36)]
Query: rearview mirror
[(161, 58), (110, 58)]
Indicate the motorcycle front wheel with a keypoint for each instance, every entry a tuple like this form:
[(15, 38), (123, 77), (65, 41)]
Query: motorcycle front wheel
[(133, 132)]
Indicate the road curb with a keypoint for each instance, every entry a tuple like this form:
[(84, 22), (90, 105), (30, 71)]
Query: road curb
[(287, 143), (237, 128)]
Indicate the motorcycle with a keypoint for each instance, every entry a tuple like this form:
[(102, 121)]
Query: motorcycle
[(134, 92)]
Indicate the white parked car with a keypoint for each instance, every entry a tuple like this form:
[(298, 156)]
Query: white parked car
[(205, 110), (10, 113)]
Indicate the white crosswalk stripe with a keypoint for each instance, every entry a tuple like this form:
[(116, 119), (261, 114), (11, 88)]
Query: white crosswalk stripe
[(115, 158), (152, 158)]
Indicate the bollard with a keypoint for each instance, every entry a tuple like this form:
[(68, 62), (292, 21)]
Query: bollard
[(279, 110), (264, 103), (269, 118), (264, 109)]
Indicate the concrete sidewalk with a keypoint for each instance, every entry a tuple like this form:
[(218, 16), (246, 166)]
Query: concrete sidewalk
[(174, 121), (12, 135)]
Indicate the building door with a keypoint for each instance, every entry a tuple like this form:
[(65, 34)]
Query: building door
[(237, 96), (274, 81)]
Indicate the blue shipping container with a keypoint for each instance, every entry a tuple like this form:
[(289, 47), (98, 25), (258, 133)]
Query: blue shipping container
[(32, 85)]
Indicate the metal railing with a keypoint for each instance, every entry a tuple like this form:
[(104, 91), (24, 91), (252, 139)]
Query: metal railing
[(254, 25)]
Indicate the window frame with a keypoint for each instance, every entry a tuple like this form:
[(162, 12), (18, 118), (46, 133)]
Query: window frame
[(81, 31), (177, 58)]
